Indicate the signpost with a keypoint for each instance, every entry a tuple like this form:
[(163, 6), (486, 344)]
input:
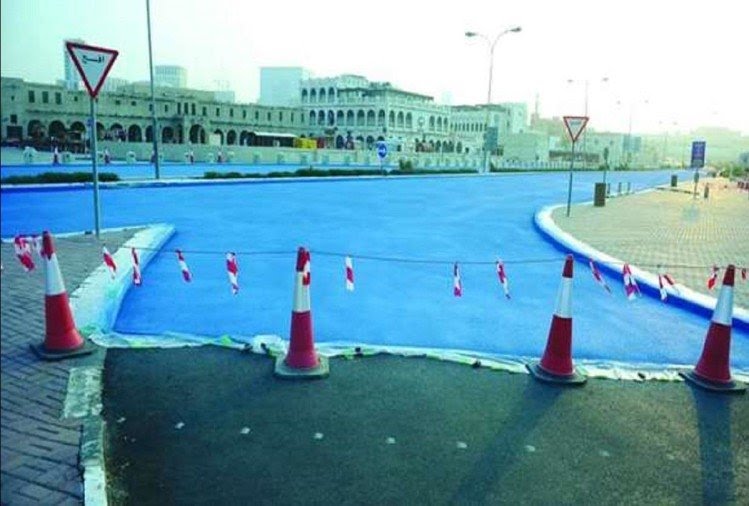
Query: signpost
[(382, 152), (575, 126), (698, 162), (93, 64)]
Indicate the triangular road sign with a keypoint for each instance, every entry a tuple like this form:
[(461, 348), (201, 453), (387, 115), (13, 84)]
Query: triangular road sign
[(93, 64), (575, 126)]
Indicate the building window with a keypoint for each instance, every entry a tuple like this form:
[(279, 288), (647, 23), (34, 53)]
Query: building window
[(179, 108), (257, 116), (150, 107), (192, 110), (116, 102), (75, 98), (58, 98), (292, 117), (244, 114), (32, 98), (231, 113), (13, 119), (45, 97), (132, 103), (218, 112), (205, 111), (166, 107), (280, 116), (268, 115)]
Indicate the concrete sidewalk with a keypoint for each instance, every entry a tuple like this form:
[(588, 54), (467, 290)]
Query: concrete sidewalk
[(671, 228), (38, 449)]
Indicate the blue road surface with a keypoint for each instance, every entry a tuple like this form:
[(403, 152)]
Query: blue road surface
[(447, 219)]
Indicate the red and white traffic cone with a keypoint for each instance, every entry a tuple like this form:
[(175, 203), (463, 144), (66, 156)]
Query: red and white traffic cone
[(302, 361), (713, 371), (62, 340), (556, 364)]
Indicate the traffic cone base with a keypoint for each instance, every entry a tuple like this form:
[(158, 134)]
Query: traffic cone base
[(713, 386), (45, 354), (283, 371), (541, 374)]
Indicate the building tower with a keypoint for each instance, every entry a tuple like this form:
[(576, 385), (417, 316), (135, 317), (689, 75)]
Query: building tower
[(71, 77)]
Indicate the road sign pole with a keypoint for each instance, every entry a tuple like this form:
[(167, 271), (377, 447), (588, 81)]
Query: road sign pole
[(94, 164), (569, 187)]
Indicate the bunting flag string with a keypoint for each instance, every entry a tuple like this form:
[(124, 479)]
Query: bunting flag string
[(23, 252), (109, 261), (503, 278), (598, 276), (630, 285), (457, 284), (137, 280), (665, 280), (186, 274), (349, 274), (713, 278), (232, 270)]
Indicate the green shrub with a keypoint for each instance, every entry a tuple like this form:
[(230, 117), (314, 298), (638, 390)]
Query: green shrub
[(60, 177)]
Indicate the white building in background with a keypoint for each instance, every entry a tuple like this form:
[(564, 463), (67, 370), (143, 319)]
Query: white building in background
[(468, 124), (72, 78), (112, 84), (282, 86), (172, 76), (350, 110)]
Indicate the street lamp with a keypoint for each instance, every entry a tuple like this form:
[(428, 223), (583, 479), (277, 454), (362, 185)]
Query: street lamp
[(492, 44), (584, 133), (629, 128), (154, 132)]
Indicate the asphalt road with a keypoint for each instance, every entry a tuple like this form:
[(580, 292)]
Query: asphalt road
[(213, 426)]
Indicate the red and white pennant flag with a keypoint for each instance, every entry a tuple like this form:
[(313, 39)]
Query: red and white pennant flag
[(137, 280), (503, 278), (630, 285), (457, 284), (713, 278), (186, 275), (232, 269), (109, 261), (23, 252), (665, 280), (597, 276), (349, 274)]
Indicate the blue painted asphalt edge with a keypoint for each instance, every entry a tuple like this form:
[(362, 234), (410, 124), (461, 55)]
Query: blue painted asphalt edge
[(688, 300)]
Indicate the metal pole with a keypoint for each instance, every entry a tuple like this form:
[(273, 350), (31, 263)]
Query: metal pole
[(569, 188), (95, 161), (488, 105), (154, 130), (585, 135)]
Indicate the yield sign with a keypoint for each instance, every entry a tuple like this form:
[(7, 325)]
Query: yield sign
[(575, 126), (93, 64)]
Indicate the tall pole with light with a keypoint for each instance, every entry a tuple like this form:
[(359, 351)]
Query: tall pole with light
[(585, 136), (492, 45), (154, 135)]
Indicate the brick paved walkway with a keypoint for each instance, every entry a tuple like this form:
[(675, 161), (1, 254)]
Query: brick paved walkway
[(39, 449), (669, 227)]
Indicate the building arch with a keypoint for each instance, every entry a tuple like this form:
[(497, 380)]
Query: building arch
[(116, 131), (312, 118), (313, 96), (339, 118), (381, 117), (391, 119), (134, 134), (149, 133), (459, 147), (305, 96), (197, 134), (370, 118), (322, 95), (331, 118), (167, 135), (231, 137), (400, 119), (350, 118), (339, 141), (431, 123), (101, 132), (57, 131), (77, 131), (321, 117), (409, 121), (35, 129), (370, 142), (360, 118), (331, 94), (244, 138)]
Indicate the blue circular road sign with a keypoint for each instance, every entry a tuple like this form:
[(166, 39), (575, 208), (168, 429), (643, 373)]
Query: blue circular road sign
[(382, 149)]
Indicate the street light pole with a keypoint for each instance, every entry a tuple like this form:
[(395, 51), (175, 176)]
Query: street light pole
[(154, 134), (492, 45)]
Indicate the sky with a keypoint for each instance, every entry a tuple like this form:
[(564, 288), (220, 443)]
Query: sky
[(667, 65)]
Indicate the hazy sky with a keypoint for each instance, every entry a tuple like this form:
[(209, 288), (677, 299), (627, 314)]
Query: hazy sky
[(689, 62)]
